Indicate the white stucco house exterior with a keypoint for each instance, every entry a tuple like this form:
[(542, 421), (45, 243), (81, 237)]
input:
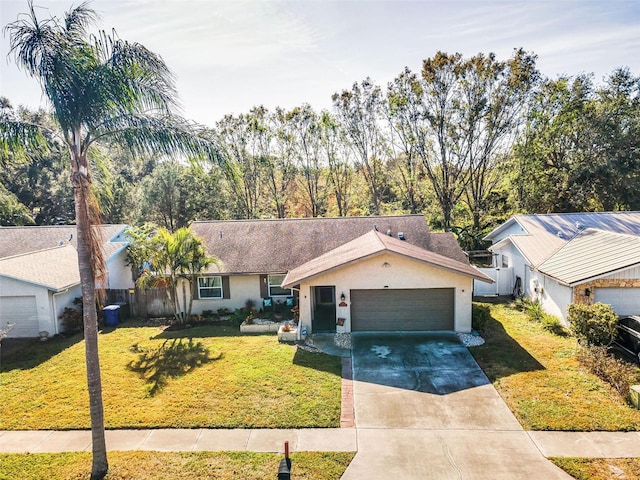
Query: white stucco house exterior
[(563, 258), (346, 274), (39, 275)]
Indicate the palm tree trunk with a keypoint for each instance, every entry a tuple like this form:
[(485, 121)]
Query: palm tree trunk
[(83, 225)]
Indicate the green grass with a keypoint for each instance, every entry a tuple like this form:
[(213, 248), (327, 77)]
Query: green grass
[(599, 468), (201, 377), (182, 465), (538, 376)]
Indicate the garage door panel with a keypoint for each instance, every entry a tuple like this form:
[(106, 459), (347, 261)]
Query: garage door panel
[(625, 301), (23, 312), (402, 309)]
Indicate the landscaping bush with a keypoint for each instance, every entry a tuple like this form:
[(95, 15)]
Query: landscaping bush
[(535, 311), (618, 373), (237, 317), (593, 324), (71, 320), (552, 324), (480, 314)]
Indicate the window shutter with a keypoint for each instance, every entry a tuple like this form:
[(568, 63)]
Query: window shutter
[(226, 291), (264, 286), (196, 290)]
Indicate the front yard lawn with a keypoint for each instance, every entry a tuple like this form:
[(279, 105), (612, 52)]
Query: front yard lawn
[(175, 465), (537, 375), (205, 376), (599, 468)]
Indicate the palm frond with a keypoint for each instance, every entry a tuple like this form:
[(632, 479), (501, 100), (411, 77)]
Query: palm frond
[(78, 20), (21, 139), (170, 135)]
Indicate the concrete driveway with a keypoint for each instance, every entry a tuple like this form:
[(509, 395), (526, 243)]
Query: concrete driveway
[(430, 381), (424, 409)]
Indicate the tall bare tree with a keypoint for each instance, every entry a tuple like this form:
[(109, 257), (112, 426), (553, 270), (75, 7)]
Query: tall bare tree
[(359, 112)]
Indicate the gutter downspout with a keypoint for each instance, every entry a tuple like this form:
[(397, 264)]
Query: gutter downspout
[(55, 310)]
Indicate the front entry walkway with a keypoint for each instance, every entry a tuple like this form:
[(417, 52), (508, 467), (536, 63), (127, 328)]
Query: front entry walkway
[(424, 409)]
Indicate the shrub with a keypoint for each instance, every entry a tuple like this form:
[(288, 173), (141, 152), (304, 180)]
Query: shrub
[(71, 320), (521, 304), (250, 304), (480, 314), (535, 312), (593, 324), (223, 312), (552, 324), (618, 373), (237, 317)]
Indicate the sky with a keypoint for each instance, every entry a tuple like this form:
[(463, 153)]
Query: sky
[(229, 56)]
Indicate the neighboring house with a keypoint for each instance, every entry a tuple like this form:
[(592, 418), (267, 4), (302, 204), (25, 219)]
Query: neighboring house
[(565, 258), (346, 274), (39, 274)]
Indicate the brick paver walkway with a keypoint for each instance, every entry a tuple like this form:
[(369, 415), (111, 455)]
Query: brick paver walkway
[(347, 418)]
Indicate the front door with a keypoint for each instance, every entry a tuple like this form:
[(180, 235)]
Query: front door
[(324, 309)]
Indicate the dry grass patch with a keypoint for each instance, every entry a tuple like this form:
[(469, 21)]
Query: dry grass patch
[(201, 377), (538, 376), (599, 468), (174, 465)]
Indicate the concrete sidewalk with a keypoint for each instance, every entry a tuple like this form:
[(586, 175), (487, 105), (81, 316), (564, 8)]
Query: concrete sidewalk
[(550, 444), (167, 440)]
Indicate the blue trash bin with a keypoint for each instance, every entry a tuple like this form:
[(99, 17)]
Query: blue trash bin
[(111, 315)]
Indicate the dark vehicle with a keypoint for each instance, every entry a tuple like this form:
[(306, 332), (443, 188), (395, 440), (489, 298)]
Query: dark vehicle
[(628, 337)]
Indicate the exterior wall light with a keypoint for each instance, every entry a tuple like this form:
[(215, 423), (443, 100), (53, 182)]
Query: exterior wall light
[(342, 297)]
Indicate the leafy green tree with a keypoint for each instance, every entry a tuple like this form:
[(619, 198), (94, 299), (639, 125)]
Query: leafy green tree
[(555, 142), (12, 212), (101, 88), (610, 175)]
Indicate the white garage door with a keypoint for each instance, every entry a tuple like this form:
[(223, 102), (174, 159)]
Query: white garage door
[(408, 309), (23, 312), (625, 301)]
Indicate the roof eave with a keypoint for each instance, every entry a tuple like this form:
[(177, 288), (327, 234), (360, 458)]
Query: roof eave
[(51, 288)]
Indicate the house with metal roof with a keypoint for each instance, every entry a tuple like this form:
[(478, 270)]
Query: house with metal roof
[(346, 274), (563, 258), (39, 275)]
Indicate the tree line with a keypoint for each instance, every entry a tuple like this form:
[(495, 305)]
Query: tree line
[(465, 141)]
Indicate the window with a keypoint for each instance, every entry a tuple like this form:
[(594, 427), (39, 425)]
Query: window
[(505, 261), (274, 287), (210, 287)]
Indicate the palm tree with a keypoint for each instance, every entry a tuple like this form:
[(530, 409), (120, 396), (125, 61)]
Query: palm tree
[(175, 261), (101, 89)]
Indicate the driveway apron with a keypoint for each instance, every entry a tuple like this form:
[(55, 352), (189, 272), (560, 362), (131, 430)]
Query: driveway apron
[(425, 409)]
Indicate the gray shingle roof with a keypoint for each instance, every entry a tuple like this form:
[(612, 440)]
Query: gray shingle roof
[(54, 268), (279, 245), (590, 254), (374, 243), (19, 240)]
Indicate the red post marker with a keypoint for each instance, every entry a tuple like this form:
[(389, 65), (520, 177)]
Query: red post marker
[(286, 449)]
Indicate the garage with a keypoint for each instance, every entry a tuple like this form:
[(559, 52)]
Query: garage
[(23, 312), (625, 301), (402, 309)]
